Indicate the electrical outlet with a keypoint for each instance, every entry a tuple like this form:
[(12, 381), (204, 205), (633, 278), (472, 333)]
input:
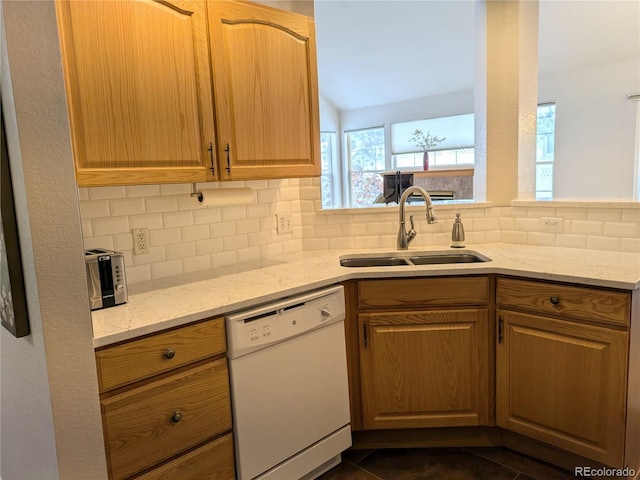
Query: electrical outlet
[(285, 223), (140, 241), (551, 224)]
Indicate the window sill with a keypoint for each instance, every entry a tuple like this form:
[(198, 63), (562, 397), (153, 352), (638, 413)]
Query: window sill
[(578, 202), (442, 205)]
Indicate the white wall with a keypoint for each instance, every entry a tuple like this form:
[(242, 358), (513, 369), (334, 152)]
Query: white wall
[(329, 115), (595, 126), (595, 134), (50, 417), (26, 421)]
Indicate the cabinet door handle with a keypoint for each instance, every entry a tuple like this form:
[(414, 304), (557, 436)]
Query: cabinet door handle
[(500, 326), (364, 333), (169, 353), (212, 159), (176, 417), (554, 300), (228, 150)]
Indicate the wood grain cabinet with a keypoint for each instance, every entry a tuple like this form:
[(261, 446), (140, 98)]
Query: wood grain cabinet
[(166, 405), (562, 367), (423, 352), (265, 84), (139, 96), (178, 91)]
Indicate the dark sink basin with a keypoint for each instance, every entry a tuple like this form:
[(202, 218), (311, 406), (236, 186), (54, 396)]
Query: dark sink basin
[(373, 262), (436, 259), (426, 258)]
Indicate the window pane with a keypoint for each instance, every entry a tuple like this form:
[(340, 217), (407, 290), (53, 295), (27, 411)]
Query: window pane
[(546, 126), (465, 156), (545, 149), (439, 158), (366, 149), (408, 160), (326, 150), (326, 186), (544, 181), (442, 158), (365, 188), (366, 154), (327, 153)]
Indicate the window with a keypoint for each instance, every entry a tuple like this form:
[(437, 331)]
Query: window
[(545, 147), (365, 160), (456, 149), (440, 158), (328, 158)]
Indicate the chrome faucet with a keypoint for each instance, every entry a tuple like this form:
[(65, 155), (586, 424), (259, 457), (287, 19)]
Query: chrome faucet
[(404, 237)]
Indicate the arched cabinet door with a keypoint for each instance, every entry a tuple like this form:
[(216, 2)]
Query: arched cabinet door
[(266, 91), (138, 83)]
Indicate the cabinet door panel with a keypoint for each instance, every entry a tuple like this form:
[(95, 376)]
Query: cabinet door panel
[(424, 369), (138, 88), (265, 83), (564, 384)]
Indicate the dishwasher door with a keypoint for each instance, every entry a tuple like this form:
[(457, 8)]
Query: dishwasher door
[(290, 399)]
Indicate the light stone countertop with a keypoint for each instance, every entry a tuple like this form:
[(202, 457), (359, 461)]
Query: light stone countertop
[(240, 287)]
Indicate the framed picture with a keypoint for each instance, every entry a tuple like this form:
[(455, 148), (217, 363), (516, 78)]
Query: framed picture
[(13, 300)]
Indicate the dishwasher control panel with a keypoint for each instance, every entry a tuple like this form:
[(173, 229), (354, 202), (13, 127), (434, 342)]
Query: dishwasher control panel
[(260, 327)]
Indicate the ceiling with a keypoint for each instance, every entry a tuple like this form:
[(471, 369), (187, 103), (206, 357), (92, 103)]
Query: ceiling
[(374, 52)]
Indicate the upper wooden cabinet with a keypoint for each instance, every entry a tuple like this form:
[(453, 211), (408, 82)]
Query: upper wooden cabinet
[(138, 90), (266, 91), (140, 79)]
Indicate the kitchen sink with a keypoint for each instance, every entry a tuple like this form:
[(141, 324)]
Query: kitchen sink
[(424, 258), (373, 261), (442, 258)]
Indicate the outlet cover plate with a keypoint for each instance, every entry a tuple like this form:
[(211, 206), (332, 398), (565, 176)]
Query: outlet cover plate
[(285, 223), (140, 241), (551, 224)]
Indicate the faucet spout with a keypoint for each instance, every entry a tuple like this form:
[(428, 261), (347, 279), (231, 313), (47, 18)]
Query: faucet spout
[(404, 237)]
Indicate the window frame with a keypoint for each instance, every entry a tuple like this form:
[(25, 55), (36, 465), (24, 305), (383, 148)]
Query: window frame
[(347, 174)]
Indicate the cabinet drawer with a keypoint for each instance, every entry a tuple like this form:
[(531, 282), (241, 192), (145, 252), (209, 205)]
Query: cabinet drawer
[(423, 292), (213, 461), (140, 359), (142, 426), (582, 303)]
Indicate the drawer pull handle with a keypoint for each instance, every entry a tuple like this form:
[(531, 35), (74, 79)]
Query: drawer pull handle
[(169, 353), (554, 300), (176, 417)]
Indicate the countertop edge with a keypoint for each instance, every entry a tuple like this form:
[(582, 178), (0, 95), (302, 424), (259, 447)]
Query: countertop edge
[(131, 320)]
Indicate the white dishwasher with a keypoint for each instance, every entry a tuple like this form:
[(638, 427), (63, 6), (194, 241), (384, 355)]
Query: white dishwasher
[(289, 389)]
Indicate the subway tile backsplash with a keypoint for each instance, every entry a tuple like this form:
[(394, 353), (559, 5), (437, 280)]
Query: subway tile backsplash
[(184, 236), (187, 238)]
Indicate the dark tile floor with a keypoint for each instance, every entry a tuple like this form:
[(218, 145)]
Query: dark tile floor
[(442, 464)]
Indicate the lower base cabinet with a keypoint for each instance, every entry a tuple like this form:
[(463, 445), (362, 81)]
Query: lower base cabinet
[(562, 368), (564, 384), (166, 405), (424, 368), (423, 352), (547, 368)]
